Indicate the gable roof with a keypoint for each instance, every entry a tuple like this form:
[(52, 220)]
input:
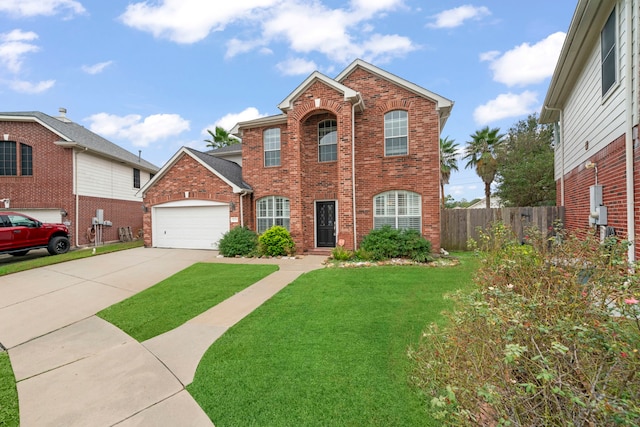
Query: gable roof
[(74, 135), (443, 104), (228, 171), (584, 32), (349, 94)]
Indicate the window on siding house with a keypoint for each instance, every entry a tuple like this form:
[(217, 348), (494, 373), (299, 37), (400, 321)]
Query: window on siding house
[(8, 159), (395, 133), (398, 209), (136, 178), (272, 210), (608, 51), (327, 141), (271, 140), (26, 160)]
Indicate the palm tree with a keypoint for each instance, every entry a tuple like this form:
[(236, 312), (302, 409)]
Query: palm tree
[(448, 163), (482, 154), (220, 138)]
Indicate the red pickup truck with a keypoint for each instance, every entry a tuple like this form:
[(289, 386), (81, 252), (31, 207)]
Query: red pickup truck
[(20, 233)]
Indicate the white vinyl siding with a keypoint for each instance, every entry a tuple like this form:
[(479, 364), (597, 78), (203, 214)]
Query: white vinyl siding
[(99, 177), (398, 209), (587, 116)]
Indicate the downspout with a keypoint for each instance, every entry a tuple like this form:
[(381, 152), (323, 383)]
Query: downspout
[(353, 169), (631, 228), (242, 194)]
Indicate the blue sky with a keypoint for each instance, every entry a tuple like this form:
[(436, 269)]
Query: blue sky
[(153, 76)]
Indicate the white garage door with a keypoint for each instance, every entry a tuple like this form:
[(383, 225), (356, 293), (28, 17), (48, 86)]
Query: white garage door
[(189, 227)]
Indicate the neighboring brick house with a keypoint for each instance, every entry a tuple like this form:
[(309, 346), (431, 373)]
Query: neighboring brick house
[(345, 156), (57, 171), (593, 102)]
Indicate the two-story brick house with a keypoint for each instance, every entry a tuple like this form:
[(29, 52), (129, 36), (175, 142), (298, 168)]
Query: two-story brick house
[(58, 171), (345, 156)]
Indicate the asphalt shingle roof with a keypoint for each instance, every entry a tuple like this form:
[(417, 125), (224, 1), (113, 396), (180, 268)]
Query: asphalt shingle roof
[(230, 170), (79, 134)]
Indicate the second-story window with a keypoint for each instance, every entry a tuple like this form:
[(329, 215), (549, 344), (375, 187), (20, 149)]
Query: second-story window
[(608, 53), (395, 133), (327, 141), (8, 158), (271, 140), (136, 178)]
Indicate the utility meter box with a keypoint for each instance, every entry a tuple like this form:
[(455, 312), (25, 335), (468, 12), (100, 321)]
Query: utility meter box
[(595, 202)]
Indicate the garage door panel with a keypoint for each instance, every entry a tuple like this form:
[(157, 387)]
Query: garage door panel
[(192, 227)]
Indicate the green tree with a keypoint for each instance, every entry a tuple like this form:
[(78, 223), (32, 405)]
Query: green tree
[(220, 138), (525, 169), (482, 154), (448, 163)]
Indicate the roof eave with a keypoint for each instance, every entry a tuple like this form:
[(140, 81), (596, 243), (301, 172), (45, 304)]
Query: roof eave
[(74, 144)]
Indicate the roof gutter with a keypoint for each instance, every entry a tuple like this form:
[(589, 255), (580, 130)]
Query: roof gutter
[(74, 144)]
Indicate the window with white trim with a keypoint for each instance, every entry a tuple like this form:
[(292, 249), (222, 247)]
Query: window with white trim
[(395, 133), (271, 140), (272, 210), (327, 141), (608, 53), (398, 209)]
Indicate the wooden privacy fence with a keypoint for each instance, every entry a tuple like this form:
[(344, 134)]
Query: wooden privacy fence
[(457, 226)]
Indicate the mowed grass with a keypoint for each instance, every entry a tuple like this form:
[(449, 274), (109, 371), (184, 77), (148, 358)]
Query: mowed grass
[(181, 297), (329, 349), (9, 415)]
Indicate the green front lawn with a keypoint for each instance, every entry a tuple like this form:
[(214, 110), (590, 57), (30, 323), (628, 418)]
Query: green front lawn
[(9, 416), (329, 349), (181, 297)]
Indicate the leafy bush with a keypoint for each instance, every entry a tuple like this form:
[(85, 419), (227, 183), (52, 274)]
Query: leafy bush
[(386, 243), (339, 253), (549, 337), (276, 241), (239, 241)]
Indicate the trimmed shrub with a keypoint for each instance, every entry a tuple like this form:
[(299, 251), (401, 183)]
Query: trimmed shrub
[(550, 336), (339, 253), (387, 242), (239, 241), (276, 241)]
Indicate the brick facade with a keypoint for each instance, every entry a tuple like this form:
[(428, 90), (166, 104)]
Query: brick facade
[(187, 175), (51, 185), (305, 180), (612, 175)]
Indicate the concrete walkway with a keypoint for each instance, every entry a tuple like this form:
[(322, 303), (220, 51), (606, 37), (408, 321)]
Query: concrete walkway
[(74, 369)]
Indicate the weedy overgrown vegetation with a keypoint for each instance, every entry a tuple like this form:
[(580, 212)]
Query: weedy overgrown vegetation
[(550, 336)]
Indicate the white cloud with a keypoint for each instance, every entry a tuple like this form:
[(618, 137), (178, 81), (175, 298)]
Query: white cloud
[(506, 105), (96, 68), (14, 46), (296, 67), (340, 34), (526, 64), (140, 132), (455, 17), (228, 121), (31, 88), (189, 21), (29, 8)]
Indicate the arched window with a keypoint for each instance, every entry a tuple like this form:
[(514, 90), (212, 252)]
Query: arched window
[(399, 209), (271, 140), (272, 210), (327, 141), (395, 133)]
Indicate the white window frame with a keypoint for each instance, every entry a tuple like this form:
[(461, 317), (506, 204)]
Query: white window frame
[(271, 145), (400, 209), (272, 210), (396, 128), (609, 53), (327, 139)]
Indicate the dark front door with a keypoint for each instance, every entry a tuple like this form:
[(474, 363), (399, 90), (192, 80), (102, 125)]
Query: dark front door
[(326, 224)]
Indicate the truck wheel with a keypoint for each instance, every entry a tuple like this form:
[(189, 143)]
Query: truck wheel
[(19, 253), (58, 245)]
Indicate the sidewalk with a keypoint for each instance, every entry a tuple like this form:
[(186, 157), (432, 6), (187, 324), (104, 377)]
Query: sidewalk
[(74, 369)]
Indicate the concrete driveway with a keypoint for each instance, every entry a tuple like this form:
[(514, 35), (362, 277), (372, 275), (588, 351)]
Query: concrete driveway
[(74, 369)]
